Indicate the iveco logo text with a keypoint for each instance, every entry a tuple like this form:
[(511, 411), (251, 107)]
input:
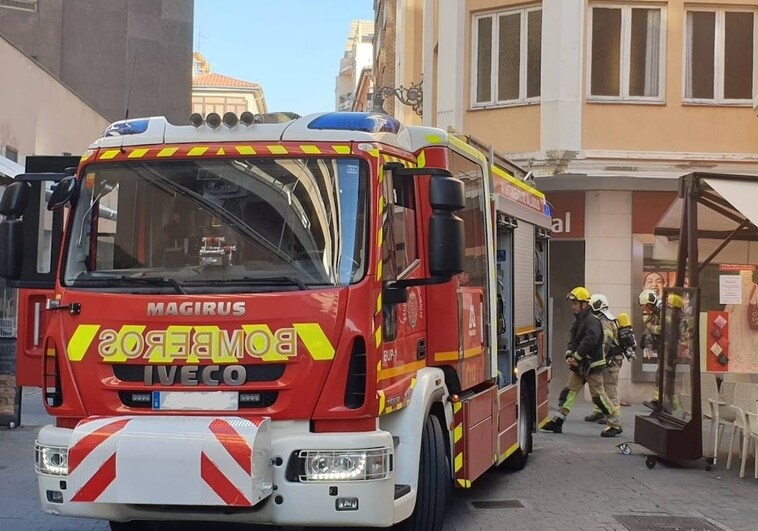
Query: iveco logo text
[(196, 308)]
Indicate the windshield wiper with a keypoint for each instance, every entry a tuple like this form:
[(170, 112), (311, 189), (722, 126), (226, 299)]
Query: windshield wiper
[(153, 281), (262, 281)]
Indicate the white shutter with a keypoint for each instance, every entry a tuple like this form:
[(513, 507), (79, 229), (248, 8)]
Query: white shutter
[(523, 275)]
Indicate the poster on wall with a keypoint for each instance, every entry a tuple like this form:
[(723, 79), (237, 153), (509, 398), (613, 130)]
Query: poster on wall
[(656, 275)]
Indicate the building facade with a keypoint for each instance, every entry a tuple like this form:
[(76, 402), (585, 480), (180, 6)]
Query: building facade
[(606, 103), (358, 56), (213, 92), (119, 55)]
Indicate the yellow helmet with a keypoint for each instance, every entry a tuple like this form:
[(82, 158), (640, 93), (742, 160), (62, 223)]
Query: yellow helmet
[(675, 301), (579, 293)]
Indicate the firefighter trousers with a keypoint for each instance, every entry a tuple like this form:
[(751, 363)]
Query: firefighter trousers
[(611, 386), (595, 382)]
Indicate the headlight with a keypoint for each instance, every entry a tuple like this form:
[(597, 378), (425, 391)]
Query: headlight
[(345, 465), (51, 460)]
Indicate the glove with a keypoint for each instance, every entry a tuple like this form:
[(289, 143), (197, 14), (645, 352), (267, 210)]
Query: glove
[(569, 353)]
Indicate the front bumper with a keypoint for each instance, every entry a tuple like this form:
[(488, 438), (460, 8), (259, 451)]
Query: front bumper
[(159, 477)]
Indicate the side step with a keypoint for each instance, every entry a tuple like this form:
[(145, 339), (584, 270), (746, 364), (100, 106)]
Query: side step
[(402, 490)]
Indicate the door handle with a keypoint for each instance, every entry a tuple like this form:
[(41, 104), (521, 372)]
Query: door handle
[(421, 349)]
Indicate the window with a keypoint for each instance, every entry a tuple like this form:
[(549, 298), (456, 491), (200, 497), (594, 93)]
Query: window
[(11, 154), (626, 53), (24, 5), (720, 56), (399, 226), (507, 57)]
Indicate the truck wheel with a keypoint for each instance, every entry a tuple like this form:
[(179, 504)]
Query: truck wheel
[(518, 460), (433, 479)]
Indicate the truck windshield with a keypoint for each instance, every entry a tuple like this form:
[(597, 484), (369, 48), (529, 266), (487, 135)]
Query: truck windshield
[(274, 223)]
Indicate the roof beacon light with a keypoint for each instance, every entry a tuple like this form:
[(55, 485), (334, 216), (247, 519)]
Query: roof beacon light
[(196, 119), (356, 121), (213, 120), (127, 127), (247, 118), (230, 119)]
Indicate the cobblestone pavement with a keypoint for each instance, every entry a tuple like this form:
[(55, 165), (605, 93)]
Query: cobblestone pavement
[(574, 481)]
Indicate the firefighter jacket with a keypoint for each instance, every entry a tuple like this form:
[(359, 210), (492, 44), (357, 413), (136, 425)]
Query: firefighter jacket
[(612, 351), (586, 343), (651, 336)]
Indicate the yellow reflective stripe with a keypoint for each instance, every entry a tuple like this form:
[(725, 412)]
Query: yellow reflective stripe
[(342, 150), (457, 407), (434, 139), (315, 341), (138, 153), (220, 151), (446, 356), (259, 342), (509, 451), (515, 182), (463, 146), (119, 355), (457, 433), (80, 341), (458, 462), (384, 374), (277, 150), (245, 150), (374, 152), (196, 151), (168, 152), (598, 363), (380, 236), (465, 483), (379, 303), (107, 155), (220, 351), (311, 150), (379, 269), (382, 401), (86, 156), (421, 161), (378, 340)]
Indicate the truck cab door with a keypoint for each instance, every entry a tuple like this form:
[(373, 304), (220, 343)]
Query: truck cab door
[(43, 234)]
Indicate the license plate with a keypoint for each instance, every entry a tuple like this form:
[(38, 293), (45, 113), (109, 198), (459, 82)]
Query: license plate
[(196, 400)]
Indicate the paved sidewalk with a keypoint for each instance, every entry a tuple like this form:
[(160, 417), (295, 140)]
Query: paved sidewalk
[(575, 481), (578, 480)]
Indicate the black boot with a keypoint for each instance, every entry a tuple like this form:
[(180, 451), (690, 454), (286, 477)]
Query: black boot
[(611, 431), (595, 416), (555, 425)]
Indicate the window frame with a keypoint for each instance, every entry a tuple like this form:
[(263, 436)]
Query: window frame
[(494, 60), (625, 55), (29, 6), (719, 55)]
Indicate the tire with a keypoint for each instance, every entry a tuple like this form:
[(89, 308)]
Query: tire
[(518, 460), (433, 480)]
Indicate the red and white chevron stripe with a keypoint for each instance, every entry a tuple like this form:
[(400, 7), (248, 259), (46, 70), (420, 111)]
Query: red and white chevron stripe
[(170, 460)]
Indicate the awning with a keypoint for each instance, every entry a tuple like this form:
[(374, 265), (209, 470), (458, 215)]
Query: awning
[(724, 203), (741, 194), (9, 168)]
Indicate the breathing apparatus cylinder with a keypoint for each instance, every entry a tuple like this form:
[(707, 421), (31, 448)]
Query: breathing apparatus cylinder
[(627, 341)]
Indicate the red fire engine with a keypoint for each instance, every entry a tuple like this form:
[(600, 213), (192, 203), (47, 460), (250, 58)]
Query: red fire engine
[(322, 321)]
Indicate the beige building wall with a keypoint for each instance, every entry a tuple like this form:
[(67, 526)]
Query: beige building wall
[(671, 126), (409, 64), (38, 114)]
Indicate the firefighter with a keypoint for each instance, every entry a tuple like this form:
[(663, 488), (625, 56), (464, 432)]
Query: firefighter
[(650, 304), (613, 353), (585, 359)]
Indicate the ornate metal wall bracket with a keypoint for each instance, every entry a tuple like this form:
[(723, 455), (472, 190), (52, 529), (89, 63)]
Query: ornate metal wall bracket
[(412, 96)]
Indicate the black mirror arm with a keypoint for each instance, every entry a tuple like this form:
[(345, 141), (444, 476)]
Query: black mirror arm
[(400, 170)]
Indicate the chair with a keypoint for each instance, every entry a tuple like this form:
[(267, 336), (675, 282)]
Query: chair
[(709, 391), (721, 414), (745, 396), (752, 420)]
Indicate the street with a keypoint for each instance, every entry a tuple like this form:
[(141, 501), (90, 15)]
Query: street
[(574, 481)]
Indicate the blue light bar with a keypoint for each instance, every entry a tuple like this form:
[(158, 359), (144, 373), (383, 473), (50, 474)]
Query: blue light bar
[(127, 127), (357, 121)]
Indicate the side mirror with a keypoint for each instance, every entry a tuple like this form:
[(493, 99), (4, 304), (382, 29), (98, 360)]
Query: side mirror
[(14, 200), (64, 192), (446, 233), (12, 250)]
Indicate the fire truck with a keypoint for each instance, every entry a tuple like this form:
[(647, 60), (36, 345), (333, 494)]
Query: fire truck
[(328, 320)]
